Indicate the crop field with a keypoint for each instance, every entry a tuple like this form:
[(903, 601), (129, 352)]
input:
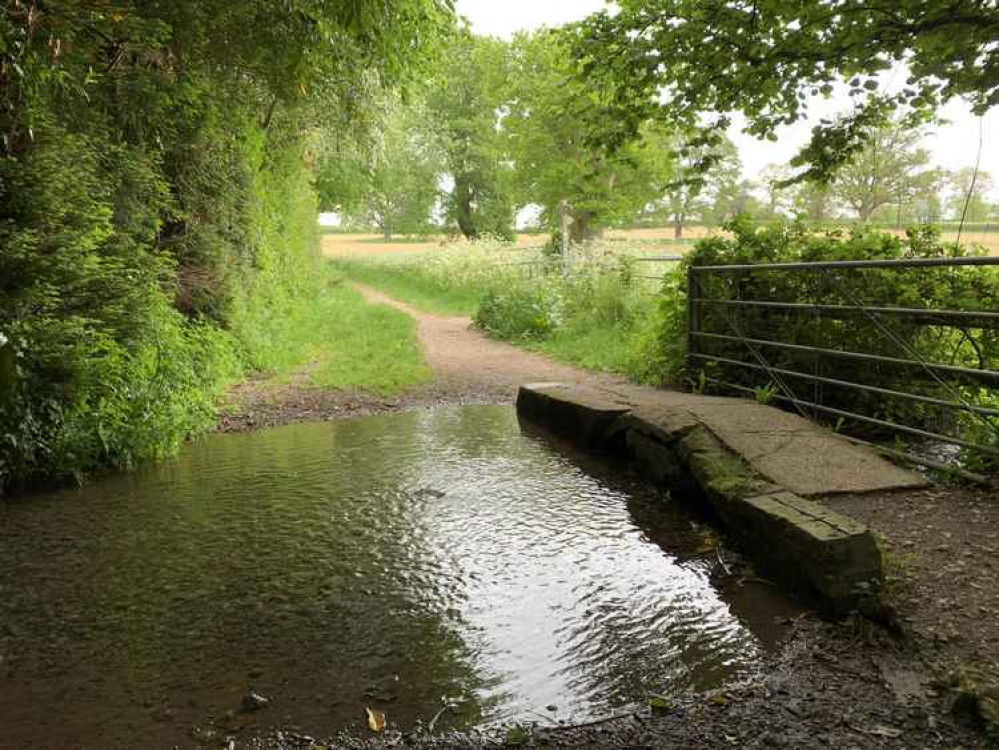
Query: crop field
[(644, 240), (365, 245)]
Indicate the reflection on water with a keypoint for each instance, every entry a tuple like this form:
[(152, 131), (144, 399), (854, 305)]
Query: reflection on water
[(385, 561)]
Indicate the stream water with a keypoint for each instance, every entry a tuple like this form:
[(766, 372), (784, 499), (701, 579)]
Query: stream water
[(384, 561)]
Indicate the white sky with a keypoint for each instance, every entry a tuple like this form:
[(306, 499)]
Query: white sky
[(952, 146)]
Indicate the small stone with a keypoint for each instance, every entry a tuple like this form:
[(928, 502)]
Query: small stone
[(253, 702)]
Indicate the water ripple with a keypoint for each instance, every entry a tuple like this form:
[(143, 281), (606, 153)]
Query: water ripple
[(380, 561)]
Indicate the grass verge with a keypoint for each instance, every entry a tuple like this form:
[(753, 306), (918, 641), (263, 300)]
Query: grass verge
[(421, 292), (603, 348), (355, 344)]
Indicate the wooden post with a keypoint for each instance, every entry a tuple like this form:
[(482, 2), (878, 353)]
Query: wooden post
[(564, 209)]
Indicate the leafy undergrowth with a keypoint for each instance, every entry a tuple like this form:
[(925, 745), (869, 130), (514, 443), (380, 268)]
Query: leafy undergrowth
[(354, 344), (589, 312)]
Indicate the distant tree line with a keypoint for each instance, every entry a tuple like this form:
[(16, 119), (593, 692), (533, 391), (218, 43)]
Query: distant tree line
[(504, 126)]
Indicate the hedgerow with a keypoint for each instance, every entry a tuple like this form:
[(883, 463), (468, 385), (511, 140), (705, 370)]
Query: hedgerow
[(157, 209)]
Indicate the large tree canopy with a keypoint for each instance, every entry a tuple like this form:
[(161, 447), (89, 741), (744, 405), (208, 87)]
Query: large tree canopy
[(767, 58), (554, 125), (891, 169), (465, 102)]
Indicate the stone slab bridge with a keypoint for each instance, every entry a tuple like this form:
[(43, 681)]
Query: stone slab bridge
[(763, 472)]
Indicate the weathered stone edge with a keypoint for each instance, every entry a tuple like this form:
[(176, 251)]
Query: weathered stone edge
[(797, 541)]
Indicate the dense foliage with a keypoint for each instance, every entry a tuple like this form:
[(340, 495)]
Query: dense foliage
[(465, 103), (584, 310), (157, 210)]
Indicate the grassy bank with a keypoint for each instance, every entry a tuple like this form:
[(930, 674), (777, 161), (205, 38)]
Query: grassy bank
[(347, 343)]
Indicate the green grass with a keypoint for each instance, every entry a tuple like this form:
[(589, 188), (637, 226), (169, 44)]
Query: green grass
[(354, 344), (372, 347), (603, 348), (404, 283)]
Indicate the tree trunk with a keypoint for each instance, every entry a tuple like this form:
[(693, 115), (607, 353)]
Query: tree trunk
[(463, 206), (564, 222), (677, 226), (582, 228)]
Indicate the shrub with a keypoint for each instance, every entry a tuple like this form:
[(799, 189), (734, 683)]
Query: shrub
[(518, 311)]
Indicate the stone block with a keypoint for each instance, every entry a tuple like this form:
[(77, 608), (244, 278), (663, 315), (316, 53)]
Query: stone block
[(573, 411), (810, 547)]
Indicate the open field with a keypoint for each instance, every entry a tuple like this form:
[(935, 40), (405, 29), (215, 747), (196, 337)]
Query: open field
[(653, 240), (363, 245), (664, 235)]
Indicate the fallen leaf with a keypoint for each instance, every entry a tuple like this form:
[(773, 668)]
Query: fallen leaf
[(376, 719)]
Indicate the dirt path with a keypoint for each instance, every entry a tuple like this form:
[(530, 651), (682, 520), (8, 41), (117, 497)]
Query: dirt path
[(469, 368), (469, 364)]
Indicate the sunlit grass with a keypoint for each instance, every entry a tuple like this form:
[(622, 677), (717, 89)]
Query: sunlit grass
[(345, 342)]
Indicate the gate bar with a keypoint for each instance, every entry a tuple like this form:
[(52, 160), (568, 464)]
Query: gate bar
[(975, 260), (859, 386), (988, 376)]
